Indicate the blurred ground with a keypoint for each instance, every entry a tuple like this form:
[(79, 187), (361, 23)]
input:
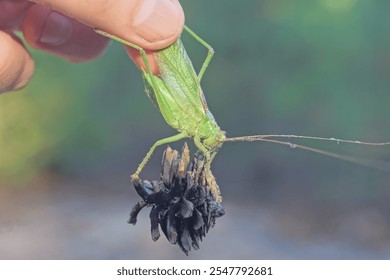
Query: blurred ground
[(80, 218), (70, 139)]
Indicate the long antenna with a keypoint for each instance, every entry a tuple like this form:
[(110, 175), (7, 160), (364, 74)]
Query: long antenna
[(380, 165), (258, 137)]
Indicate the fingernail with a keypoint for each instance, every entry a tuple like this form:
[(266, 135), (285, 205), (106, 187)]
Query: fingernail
[(56, 31), (157, 20)]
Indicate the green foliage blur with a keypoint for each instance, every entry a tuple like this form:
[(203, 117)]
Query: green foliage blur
[(302, 67)]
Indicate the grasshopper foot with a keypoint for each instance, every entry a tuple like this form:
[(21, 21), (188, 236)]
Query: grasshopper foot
[(135, 177)]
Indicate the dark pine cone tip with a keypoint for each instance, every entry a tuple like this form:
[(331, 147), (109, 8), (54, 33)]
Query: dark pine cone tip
[(182, 202)]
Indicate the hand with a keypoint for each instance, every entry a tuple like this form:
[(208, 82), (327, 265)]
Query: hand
[(65, 28)]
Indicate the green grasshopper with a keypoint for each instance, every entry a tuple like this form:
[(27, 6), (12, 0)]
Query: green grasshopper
[(177, 93)]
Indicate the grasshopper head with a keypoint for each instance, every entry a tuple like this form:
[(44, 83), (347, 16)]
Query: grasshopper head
[(215, 140)]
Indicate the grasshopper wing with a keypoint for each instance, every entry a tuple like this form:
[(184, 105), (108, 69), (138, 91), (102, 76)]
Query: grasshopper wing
[(179, 75)]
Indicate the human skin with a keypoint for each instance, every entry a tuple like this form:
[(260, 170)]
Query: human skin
[(65, 29)]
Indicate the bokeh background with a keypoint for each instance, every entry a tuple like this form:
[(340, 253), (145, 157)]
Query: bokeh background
[(69, 141)]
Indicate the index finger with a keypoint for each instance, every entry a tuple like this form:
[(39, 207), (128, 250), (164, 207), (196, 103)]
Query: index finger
[(151, 24)]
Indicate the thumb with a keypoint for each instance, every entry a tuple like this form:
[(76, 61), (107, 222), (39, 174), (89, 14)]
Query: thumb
[(16, 65), (151, 24)]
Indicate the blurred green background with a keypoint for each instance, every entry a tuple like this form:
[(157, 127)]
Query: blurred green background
[(69, 140)]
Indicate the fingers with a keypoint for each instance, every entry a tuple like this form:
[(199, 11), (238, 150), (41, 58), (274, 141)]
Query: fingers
[(16, 65), (151, 24), (11, 13), (47, 30)]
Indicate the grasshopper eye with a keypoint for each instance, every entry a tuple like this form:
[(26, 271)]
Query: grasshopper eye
[(221, 136)]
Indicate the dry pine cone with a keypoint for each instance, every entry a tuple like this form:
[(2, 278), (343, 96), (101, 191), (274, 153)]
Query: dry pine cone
[(181, 201)]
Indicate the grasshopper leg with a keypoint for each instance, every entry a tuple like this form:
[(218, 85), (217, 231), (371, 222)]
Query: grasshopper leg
[(134, 46), (202, 148), (209, 175), (160, 142), (209, 54)]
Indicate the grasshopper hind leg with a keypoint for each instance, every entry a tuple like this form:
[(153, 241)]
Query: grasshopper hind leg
[(134, 46)]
